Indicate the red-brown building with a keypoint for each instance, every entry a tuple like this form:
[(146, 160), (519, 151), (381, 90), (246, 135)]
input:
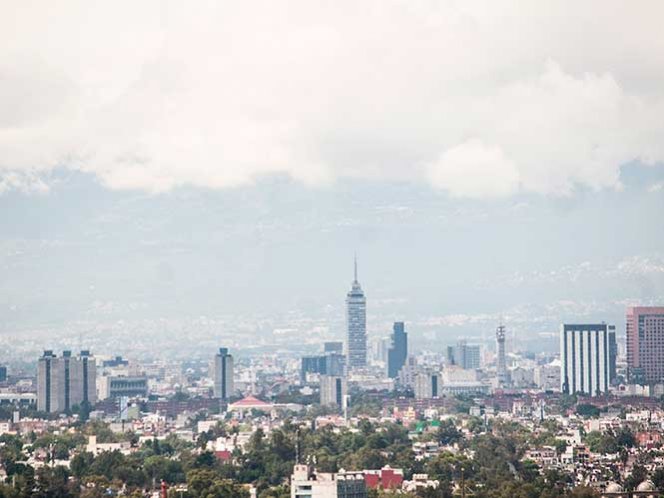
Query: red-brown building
[(385, 478), (645, 344)]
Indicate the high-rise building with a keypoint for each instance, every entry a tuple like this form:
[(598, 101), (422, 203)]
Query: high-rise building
[(333, 347), (408, 372), (223, 374), (333, 390), (326, 364), (66, 382), (312, 364), (467, 356), (335, 364), (585, 355), (396, 355), (645, 344), (501, 361), (449, 356), (427, 385), (356, 322), (3, 374)]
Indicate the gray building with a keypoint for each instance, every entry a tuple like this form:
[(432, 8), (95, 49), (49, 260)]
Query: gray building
[(333, 347), (333, 391), (356, 323), (312, 364), (223, 374), (465, 355), (449, 356), (65, 382), (428, 385), (587, 355), (398, 352), (116, 386), (326, 364)]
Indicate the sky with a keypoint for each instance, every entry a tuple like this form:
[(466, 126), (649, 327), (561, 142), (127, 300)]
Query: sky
[(481, 157)]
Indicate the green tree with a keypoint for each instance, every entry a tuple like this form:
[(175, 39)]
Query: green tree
[(205, 483)]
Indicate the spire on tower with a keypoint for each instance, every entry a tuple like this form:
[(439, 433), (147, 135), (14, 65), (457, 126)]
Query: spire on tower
[(355, 273)]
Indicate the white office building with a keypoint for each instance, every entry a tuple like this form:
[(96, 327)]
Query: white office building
[(585, 358)]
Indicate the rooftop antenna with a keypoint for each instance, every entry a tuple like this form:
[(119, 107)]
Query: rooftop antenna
[(355, 274)]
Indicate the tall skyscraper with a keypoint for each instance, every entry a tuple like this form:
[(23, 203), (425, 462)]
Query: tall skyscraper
[(645, 344), (356, 322), (501, 361), (223, 374), (65, 382), (396, 355), (585, 355)]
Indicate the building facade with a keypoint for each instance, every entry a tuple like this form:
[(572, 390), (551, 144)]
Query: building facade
[(116, 386), (356, 324), (645, 344), (333, 347), (466, 356), (307, 483), (547, 377), (327, 364), (428, 385), (585, 355), (333, 391), (223, 374), (65, 382), (398, 352)]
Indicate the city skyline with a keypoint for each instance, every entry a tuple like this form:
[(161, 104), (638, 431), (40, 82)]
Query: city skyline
[(463, 184)]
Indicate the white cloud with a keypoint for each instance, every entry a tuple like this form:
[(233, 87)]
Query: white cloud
[(27, 182), (473, 169), (156, 95)]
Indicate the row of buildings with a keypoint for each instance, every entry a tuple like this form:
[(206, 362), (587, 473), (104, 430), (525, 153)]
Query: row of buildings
[(588, 352)]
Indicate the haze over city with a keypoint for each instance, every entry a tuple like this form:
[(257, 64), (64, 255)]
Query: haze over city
[(167, 162)]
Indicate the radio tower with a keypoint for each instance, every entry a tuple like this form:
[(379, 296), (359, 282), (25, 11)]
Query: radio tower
[(500, 347)]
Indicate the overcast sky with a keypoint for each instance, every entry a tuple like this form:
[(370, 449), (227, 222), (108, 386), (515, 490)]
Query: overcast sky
[(468, 109)]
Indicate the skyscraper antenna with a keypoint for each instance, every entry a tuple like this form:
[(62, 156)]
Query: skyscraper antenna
[(355, 274)]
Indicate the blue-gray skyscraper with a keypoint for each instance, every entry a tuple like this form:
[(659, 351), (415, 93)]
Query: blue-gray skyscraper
[(223, 374), (356, 322), (396, 356)]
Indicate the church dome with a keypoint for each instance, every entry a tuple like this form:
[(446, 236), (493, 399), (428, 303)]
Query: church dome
[(646, 485), (614, 487)]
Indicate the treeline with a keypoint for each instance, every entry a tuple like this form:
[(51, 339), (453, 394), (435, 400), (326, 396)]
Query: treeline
[(496, 469)]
